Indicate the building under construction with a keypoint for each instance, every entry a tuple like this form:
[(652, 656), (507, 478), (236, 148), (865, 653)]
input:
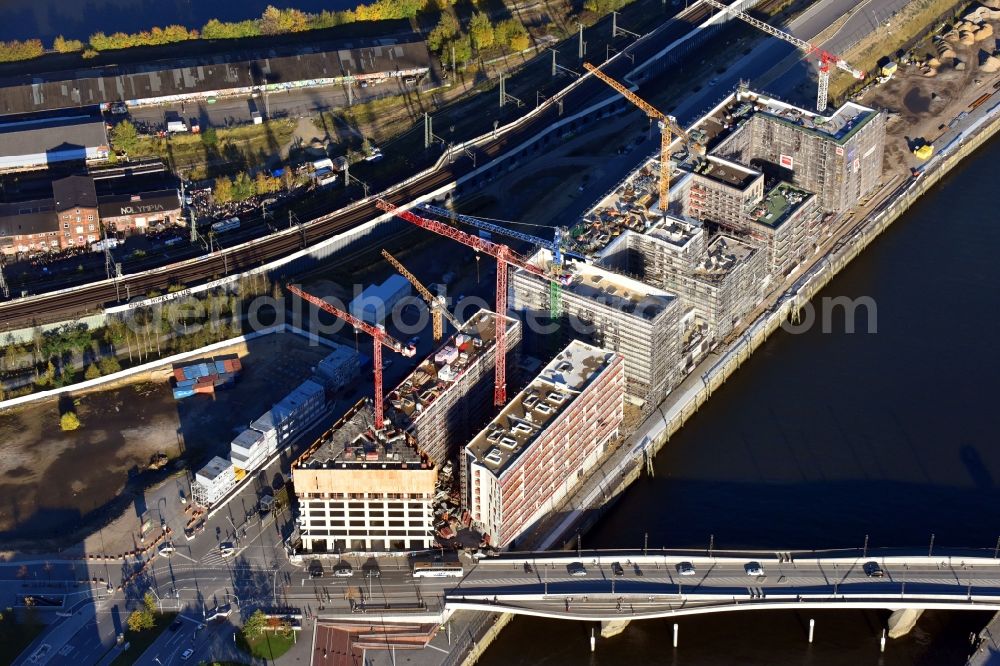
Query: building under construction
[(836, 156), (448, 397), (612, 311), (543, 441), (359, 489)]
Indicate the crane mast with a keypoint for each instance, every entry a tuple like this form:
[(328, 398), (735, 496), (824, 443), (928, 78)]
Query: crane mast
[(504, 256), (668, 127), (554, 246), (435, 303), (379, 336), (824, 57)]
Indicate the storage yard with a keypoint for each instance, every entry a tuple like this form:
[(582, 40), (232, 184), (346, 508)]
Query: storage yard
[(55, 482)]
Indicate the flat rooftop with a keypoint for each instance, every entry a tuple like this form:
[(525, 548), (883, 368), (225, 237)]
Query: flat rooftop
[(779, 204), (630, 296), (532, 410), (840, 125), (440, 371), (724, 254), (352, 443), (675, 231), (726, 172)]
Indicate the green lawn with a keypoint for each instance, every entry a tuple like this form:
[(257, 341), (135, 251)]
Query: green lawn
[(16, 635), (269, 645), (140, 641)]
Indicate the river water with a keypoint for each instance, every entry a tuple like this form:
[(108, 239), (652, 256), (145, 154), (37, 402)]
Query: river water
[(822, 438), (24, 19)]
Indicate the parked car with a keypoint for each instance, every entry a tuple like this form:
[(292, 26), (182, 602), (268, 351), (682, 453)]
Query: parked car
[(371, 570), (616, 569), (576, 569), (186, 654), (873, 570), (315, 569), (685, 569), (343, 570), (753, 569)]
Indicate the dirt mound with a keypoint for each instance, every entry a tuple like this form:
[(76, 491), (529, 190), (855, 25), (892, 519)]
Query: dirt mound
[(984, 32), (991, 65), (944, 49), (967, 38)]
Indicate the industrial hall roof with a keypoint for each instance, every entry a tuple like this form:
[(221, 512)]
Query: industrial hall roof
[(189, 76)]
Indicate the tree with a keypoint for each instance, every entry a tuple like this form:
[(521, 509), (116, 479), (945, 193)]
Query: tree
[(446, 28), (463, 48), (109, 365), (222, 192), (513, 34), (149, 601), (13, 51), (125, 137), (276, 21), (481, 31), (210, 137), (140, 620), (243, 187), (69, 422), (255, 624), (92, 372), (63, 45)]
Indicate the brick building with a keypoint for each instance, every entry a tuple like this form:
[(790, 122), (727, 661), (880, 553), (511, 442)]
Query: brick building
[(544, 441), (75, 204)]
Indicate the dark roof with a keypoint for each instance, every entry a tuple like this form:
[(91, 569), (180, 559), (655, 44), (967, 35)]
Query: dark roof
[(187, 76), (74, 192), (27, 217), (147, 202), (31, 137)]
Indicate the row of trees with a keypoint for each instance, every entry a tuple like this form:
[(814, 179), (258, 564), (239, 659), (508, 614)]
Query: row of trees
[(273, 21), (482, 34), (242, 187)]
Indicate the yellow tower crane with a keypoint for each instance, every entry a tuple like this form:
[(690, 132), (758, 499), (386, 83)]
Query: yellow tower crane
[(435, 303), (668, 128)]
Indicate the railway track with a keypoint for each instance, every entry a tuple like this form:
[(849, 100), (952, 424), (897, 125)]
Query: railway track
[(93, 298)]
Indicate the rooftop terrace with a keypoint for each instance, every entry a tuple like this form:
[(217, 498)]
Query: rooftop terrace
[(626, 294), (532, 410), (779, 204)]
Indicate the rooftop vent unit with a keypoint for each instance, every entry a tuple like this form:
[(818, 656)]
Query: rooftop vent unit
[(522, 427), (544, 408), (493, 456), (508, 442)]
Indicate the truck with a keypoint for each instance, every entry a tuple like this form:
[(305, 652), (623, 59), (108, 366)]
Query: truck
[(176, 126)]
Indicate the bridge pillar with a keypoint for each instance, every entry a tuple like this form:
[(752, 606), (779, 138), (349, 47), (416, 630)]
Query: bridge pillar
[(611, 628), (902, 621)]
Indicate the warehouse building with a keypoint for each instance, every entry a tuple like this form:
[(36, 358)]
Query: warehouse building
[(447, 398), (136, 213), (29, 227), (544, 441), (34, 143), (202, 77), (838, 156), (375, 303), (362, 490), (612, 311)]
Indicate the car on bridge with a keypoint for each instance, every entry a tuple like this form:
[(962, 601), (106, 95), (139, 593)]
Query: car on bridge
[(753, 569), (371, 570), (873, 570), (315, 569), (616, 569), (685, 569), (576, 569), (343, 570)]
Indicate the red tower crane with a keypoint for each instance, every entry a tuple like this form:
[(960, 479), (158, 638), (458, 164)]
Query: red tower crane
[(378, 335), (504, 256), (824, 57)]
